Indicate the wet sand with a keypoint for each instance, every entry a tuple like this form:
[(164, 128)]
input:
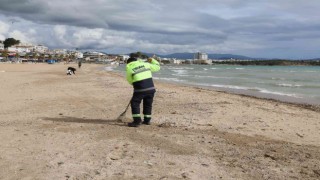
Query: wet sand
[(54, 126)]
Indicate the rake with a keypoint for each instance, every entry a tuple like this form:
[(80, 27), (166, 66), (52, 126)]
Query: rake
[(121, 117)]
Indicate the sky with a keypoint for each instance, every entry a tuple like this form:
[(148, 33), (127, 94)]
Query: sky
[(255, 28)]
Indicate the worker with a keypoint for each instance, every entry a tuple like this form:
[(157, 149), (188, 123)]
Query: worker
[(139, 74), (79, 64)]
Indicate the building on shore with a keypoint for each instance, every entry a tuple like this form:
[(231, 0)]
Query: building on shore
[(40, 49), (177, 61), (75, 54), (123, 58), (189, 61), (27, 48), (60, 51), (21, 48), (94, 56), (201, 58)]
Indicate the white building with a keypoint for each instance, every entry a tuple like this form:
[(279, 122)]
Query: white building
[(177, 61), (27, 48), (21, 48), (201, 56), (59, 51), (40, 49), (94, 56), (78, 54), (124, 57)]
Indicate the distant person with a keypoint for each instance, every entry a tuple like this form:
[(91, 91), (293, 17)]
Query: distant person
[(71, 70), (79, 64), (139, 74)]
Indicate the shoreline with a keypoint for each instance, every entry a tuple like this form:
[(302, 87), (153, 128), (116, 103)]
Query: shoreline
[(268, 97), (282, 97), (313, 107), (272, 98)]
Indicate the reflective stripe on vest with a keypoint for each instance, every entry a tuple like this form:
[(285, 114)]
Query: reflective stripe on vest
[(140, 71)]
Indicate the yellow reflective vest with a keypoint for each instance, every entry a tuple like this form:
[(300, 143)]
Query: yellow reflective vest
[(139, 74)]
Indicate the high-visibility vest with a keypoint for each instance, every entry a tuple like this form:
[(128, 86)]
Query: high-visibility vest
[(139, 74)]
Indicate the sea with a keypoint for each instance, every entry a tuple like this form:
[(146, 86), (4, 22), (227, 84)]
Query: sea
[(294, 84)]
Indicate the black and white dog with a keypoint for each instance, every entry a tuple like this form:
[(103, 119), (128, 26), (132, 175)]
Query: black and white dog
[(71, 70)]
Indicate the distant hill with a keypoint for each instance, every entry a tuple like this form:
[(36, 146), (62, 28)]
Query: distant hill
[(219, 56), (272, 62), (191, 55), (227, 56)]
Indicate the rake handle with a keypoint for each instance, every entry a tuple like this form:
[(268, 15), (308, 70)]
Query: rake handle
[(126, 109)]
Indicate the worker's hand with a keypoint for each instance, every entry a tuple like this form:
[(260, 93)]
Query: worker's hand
[(149, 60)]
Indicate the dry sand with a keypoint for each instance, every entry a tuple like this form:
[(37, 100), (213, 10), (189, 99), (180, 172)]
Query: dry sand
[(54, 126)]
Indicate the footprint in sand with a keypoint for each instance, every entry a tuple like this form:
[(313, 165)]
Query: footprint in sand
[(119, 152)]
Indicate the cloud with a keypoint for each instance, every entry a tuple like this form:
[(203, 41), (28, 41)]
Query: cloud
[(19, 35), (214, 26), (4, 28)]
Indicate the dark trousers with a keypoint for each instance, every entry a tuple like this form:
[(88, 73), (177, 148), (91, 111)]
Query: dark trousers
[(147, 98)]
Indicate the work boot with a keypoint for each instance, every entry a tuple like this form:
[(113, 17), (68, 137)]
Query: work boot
[(135, 123), (146, 121)]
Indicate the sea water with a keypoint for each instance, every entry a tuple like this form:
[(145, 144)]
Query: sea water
[(300, 84)]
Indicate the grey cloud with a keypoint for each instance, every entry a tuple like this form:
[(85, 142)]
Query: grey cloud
[(20, 7), (181, 39), (184, 24), (129, 16)]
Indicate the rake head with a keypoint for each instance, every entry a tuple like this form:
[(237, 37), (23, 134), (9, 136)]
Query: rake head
[(122, 116)]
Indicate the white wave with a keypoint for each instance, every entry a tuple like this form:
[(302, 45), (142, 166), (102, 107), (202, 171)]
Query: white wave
[(229, 86), (214, 77), (180, 71), (179, 68), (252, 89), (312, 71), (289, 85), (169, 79), (276, 78), (109, 68), (181, 75), (280, 93), (291, 71), (239, 68)]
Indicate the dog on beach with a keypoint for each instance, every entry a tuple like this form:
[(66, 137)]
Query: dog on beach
[(71, 70)]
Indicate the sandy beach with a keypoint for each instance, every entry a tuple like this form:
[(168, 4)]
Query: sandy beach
[(54, 126)]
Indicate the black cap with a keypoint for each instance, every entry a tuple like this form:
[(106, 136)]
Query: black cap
[(134, 55), (131, 60)]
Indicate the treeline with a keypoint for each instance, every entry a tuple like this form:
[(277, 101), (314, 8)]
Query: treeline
[(271, 63), (10, 42)]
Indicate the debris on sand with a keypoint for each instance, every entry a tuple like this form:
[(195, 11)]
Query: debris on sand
[(166, 125)]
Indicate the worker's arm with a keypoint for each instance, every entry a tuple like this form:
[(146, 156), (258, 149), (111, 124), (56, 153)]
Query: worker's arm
[(129, 75), (154, 65)]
